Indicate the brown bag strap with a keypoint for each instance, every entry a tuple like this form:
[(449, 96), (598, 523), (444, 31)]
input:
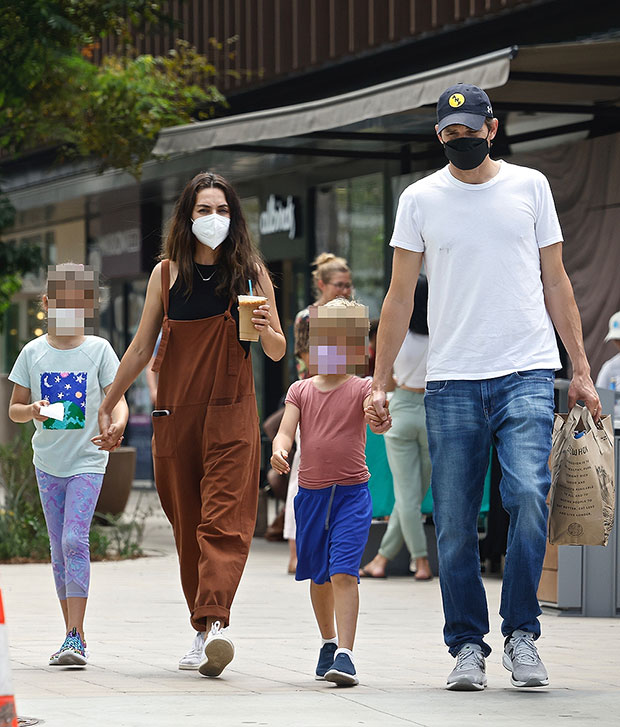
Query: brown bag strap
[(165, 285)]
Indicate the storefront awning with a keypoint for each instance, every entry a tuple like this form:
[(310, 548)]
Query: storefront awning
[(403, 94)]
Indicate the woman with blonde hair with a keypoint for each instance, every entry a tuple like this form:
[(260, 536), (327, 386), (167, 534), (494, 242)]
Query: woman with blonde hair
[(206, 445)]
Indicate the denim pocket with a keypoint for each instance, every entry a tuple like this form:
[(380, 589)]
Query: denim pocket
[(546, 375), (434, 387)]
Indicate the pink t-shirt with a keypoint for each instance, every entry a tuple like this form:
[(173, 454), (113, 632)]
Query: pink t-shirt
[(332, 431)]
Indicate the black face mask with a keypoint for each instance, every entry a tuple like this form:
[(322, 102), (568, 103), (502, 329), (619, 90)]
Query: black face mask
[(467, 152)]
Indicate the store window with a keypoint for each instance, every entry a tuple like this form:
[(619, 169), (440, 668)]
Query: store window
[(24, 319), (350, 223), (251, 212)]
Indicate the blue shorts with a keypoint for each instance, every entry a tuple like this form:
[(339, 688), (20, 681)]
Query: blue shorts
[(332, 530)]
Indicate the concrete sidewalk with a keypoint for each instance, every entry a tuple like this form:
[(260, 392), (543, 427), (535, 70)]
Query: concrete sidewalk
[(137, 628)]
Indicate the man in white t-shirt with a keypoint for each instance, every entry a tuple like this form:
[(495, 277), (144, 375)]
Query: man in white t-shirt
[(609, 375), (490, 237)]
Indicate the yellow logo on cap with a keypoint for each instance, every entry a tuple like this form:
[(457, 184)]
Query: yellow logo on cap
[(456, 100)]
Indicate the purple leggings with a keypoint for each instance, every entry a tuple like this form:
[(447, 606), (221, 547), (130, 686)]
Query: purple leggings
[(69, 504)]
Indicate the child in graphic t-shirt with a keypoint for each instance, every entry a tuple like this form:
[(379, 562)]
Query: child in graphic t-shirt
[(333, 508), (59, 380)]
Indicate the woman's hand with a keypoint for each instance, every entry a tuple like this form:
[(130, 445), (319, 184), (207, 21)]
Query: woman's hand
[(278, 461), (262, 320), (111, 440)]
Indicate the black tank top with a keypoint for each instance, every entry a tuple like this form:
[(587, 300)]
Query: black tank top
[(203, 302)]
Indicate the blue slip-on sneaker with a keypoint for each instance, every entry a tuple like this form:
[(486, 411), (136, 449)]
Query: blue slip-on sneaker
[(72, 652), (326, 659), (342, 672)]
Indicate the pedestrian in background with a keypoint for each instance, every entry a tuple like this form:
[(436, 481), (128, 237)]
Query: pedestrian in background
[(406, 444), (609, 375)]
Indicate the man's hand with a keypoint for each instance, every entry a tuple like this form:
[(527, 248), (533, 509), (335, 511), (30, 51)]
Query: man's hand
[(372, 419), (582, 388), (279, 462)]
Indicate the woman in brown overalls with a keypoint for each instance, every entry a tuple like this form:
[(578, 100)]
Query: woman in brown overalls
[(206, 437)]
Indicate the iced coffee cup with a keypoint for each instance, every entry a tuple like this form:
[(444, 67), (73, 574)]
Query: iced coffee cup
[(247, 304)]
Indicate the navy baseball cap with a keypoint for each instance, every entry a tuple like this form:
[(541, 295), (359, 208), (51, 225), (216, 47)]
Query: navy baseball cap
[(463, 104)]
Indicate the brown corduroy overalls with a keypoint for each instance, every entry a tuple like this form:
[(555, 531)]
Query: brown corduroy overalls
[(206, 455)]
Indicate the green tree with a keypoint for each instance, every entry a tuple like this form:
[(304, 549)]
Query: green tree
[(50, 93)]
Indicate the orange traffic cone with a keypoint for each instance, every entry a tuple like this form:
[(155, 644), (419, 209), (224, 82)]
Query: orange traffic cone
[(8, 717)]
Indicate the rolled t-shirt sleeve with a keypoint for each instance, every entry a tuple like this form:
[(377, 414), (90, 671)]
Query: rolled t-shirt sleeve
[(548, 230), (108, 366), (20, 373), (292, 396), (406, 232), (367, 389)]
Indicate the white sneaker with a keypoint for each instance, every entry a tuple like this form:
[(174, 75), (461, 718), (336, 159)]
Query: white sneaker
[(195, 655), (219, 651)]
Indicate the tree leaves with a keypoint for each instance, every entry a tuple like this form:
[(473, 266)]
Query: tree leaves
[(53, 95)]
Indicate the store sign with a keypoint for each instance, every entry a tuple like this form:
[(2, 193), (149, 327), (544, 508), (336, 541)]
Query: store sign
[(119, 252), (279, 216)]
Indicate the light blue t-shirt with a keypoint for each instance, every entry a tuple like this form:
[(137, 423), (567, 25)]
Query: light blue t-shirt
[(75, 378)]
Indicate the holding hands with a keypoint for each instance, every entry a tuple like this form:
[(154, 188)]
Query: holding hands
[(279, 462), (111, 426), (111, 439), (377, 413)]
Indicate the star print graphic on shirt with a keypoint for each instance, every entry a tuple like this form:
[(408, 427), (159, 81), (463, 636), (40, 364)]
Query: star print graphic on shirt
[(68, 388)]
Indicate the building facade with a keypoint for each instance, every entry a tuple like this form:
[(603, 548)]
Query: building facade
[(331, 116)]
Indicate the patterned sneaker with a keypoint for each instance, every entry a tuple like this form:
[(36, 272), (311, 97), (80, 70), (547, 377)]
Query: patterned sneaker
[(219, 651), (326, 660), (521, 658), (72, 652), (195, 655), (342, 672), (54, 658), (469, 674)]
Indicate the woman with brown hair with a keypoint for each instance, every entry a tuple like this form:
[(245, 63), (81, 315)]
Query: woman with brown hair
[(206, 443)]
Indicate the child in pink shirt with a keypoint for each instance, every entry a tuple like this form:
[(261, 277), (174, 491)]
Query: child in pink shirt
[(333, 508)]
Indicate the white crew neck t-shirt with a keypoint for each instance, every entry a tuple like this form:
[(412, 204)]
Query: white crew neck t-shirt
[(481, 245), (75, 378)]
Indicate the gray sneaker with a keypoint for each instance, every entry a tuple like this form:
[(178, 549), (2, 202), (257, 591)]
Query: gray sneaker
[(469, 674), (521, 658)]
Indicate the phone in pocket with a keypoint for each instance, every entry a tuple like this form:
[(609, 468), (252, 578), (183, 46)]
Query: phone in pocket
[(161, 413)]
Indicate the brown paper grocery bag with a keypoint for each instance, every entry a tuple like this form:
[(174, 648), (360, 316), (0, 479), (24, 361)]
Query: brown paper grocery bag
[(582, 482)]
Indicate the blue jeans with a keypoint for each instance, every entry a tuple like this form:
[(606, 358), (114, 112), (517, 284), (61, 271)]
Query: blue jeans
[(463, 418)]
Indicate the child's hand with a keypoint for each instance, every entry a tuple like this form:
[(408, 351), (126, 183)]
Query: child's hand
[(279, 463), (377, 425), (111, 440), (36, 408)]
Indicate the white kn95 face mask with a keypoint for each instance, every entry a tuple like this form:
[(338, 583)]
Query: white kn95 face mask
[(211, 230)]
